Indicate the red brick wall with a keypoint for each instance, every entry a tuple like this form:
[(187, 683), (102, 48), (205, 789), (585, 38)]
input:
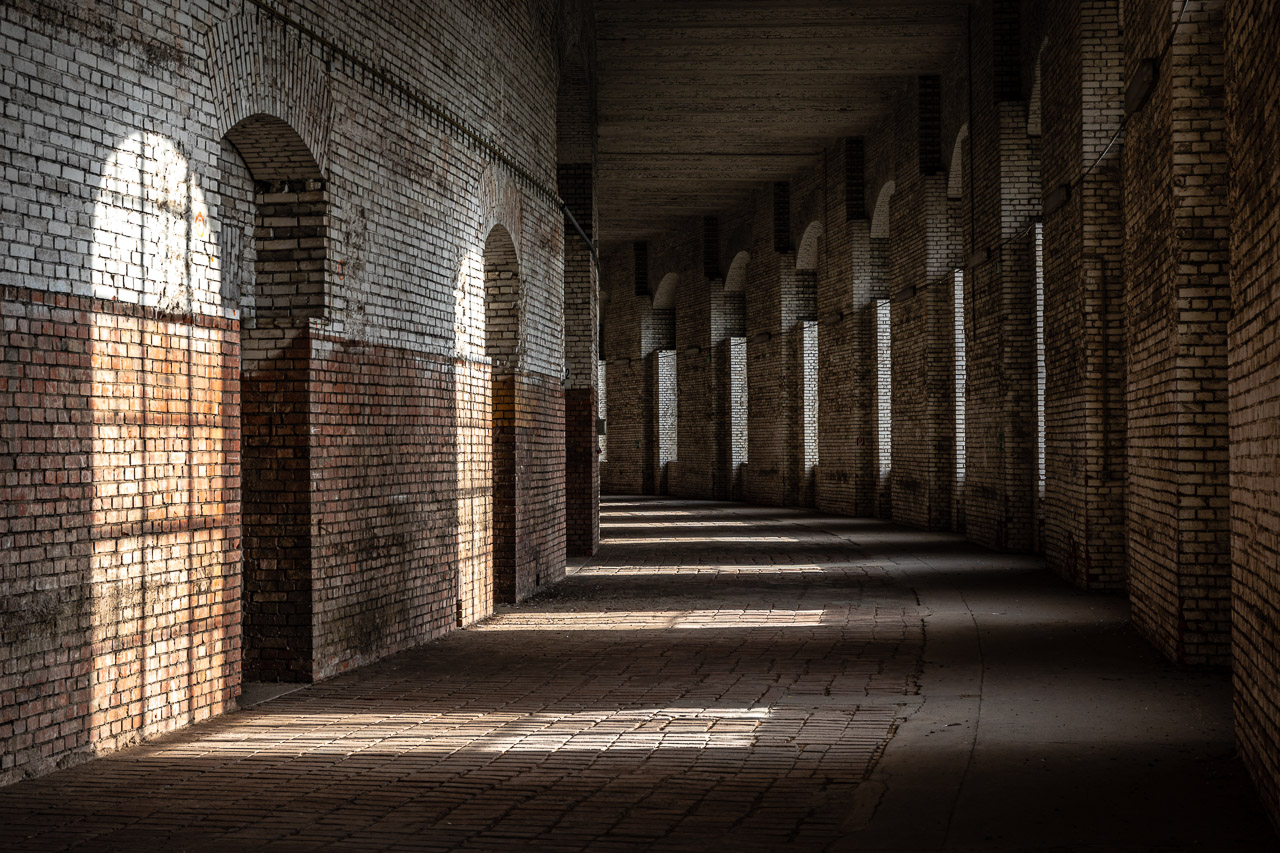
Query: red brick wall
[(357, 297), (383, 425), (120, 524), (276, 464), (540, 508)]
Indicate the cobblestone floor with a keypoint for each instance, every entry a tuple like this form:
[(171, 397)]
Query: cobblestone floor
[(719, 677)]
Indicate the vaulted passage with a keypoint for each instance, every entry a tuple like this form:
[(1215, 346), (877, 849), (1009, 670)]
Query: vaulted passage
[(718, 677), (324, 328)]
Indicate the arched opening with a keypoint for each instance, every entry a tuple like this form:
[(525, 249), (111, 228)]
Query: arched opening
[(957, 208), (735, 280), (880, 215), (502, 349), (274, 250), (807, 253), (1034, 112), (807, 257), (664, 298), (879, 246), (583, 396), (666, 386), (159, 525), (734, 303), (955, 174)]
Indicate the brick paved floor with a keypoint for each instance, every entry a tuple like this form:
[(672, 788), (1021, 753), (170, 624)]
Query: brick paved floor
[(719, 677)]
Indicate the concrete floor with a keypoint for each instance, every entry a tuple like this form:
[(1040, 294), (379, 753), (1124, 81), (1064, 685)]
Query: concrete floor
[(719, 677)]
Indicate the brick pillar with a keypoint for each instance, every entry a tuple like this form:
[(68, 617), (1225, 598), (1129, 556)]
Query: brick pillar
[(799, 307), (1001, 488), (276, 389), (1178, 300), (769, 377), (623, 470), (581, 347), (1253, 121), (877, 342), (696, 324), (922, 256), (843, 407), (1083, 74), (728, 324)]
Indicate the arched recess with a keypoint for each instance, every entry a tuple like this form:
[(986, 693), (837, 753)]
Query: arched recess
[(956, 169), (274, 261), (502, 324), (155, 517), (807, 257), (257, 66), (575, 179), (735, 280), (880, 215), (1033, 100), (661, 332), (664, 298), (734, 297), (807, 253), (733, 452)]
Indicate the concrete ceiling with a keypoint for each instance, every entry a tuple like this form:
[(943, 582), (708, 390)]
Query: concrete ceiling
[(700, 101)]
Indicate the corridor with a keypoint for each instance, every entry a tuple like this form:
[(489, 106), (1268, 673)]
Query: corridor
[(718, 677)]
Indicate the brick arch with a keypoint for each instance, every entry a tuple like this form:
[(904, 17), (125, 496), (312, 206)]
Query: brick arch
[(880, 215), (1034, 110), (807, 253), (664, 298), (273, 150), (285, 196), (735, 280), (502, 294), (501, 206), (255, 68), (955, 173), (502, 348), (273, 203)]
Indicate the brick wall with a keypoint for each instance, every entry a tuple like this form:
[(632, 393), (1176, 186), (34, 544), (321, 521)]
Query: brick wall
[(576, 182), (120, 524), (623, 471), (1131, 273), (1000, 469), (769, 388), (257, 235), (922, 256), (1082, 100), (1178, 301), (842, 429), (1253, 114)]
